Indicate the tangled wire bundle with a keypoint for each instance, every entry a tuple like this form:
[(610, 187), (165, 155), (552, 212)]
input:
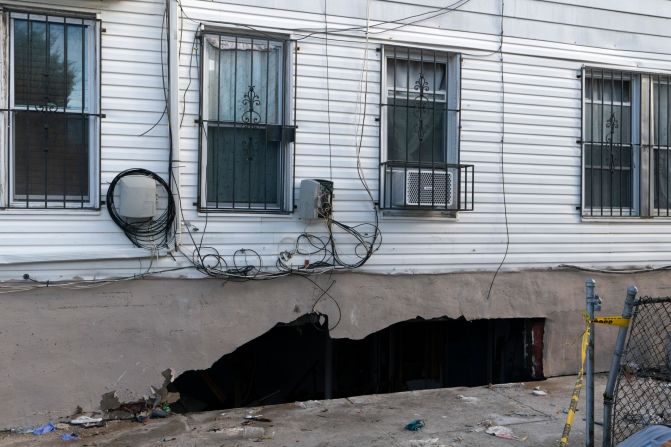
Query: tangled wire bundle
[(152, 233)]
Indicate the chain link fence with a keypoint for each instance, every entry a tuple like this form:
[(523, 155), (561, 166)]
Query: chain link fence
[(643, 389)]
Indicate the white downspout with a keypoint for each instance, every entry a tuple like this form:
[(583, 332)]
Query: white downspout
[(173, 112)]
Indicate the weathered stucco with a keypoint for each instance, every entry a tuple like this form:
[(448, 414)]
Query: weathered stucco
[(63, 348)]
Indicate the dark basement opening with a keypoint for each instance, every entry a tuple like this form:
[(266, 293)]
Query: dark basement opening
[(298, 361)]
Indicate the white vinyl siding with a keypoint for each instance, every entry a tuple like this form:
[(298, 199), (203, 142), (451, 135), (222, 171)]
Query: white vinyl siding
[(541, 150)]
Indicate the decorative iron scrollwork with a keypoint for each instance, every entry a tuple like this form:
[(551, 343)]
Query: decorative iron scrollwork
[(421, 85), (611, 124), (47, 107), (251, 100)]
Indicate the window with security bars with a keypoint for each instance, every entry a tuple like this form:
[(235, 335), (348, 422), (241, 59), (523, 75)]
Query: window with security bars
[(53, 111), (420, 126), (626, 126), (246, 131), (608, 149)]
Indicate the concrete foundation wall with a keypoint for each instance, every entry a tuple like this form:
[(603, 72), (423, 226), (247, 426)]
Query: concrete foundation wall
[(63, 348)]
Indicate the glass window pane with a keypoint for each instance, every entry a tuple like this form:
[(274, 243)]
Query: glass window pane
[(43, 78), (51, 156), (242, 167), (417, 131), (245, 79)]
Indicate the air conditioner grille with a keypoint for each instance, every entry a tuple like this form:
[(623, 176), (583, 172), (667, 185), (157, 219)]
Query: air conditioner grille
[(436, 187)]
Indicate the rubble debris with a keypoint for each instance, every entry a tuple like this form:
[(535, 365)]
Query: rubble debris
[(44, 429), (257, 417), (415, 425), (503, 432), (110, 401), (308, 404), (87, 421), (69, 437)]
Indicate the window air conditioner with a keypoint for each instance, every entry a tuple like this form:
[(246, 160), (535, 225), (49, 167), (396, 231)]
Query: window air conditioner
[(437, 187)]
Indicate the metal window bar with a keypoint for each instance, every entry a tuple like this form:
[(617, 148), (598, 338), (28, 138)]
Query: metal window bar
[(416, 170), (661, 150), (608, 170), (245, 143), (44, 150)]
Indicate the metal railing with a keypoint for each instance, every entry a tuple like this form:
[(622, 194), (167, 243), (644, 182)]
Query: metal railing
[(437, 186)]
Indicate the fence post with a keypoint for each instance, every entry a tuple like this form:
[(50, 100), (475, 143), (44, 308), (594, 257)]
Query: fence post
[(615, 367), (593, 303)]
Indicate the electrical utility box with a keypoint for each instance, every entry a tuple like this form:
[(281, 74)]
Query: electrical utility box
[(316, 199), (137, 197)]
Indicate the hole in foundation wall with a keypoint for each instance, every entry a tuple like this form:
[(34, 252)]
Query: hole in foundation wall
[(299, 361)]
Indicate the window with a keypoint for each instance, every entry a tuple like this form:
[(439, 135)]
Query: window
[(245, 163), (420, 132), (53, 111), (626, 125)]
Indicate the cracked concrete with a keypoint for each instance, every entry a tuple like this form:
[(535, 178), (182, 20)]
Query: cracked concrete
[(66, 348), (372, 421)]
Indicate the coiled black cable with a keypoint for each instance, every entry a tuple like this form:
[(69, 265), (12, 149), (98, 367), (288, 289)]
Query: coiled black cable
[(152, 233)]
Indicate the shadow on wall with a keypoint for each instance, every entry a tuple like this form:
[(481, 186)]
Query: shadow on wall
[(299, 361)]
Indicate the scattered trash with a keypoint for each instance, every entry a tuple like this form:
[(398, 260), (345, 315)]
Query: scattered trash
[(169, 439), (310, 404), (241, 432), (69, 437), (415, 425), (158, 413), (86, 421), (22, 430), (467, 398), (257, 417), (538, 392), (433, 442), (44, 429), (503, 432)]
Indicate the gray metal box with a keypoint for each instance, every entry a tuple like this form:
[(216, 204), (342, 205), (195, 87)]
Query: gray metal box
[(315, 200), (137, 197)]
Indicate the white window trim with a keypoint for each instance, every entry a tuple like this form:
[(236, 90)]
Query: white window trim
[(643, 115), (288, 149), (453, 63), (92, 107)]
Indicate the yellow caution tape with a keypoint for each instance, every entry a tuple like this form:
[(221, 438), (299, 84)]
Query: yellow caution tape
[(573, 406), (613, 321)]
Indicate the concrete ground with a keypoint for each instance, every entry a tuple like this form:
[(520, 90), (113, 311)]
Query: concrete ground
[(454, 417)]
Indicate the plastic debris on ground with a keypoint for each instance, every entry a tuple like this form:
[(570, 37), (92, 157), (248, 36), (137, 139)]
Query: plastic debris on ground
[(415, 425), (44, 429), (257, 417), (159, 413), (69, 437), (503, 432), (87, 421), (467, 398), (538, 392)]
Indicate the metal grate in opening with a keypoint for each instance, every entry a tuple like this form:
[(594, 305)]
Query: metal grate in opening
[(427, 188)]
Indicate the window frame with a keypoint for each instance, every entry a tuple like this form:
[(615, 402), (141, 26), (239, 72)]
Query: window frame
[(287, 126), (465, 173), (643, 106), (91, 109)]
